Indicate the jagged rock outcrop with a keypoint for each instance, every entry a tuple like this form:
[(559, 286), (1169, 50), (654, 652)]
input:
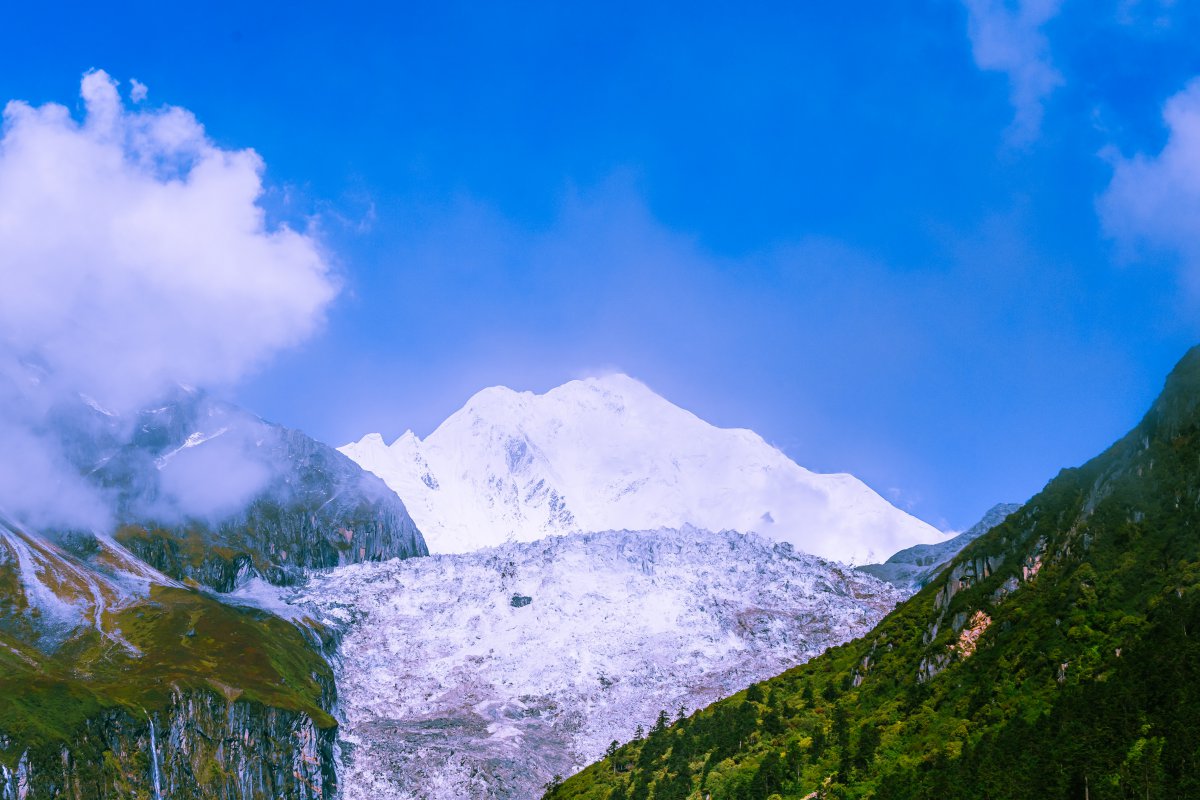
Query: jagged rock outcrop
[(913, 568)]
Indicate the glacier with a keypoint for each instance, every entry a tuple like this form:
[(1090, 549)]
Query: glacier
[(608, 453), (482, 675)]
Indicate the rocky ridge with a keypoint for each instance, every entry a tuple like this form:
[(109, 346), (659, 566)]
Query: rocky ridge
[(203, 490)]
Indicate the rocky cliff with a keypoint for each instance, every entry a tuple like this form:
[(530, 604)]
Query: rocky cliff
[(201, 744), (117, 681)]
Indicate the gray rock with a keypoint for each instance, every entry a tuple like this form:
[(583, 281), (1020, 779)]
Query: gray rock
[(911, 569)]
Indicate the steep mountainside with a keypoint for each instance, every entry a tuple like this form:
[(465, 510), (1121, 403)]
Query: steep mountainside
[(118, 676), (609, 454), (912, 568), (482, 675), (1055, 657), (206, 491), (117, 682)]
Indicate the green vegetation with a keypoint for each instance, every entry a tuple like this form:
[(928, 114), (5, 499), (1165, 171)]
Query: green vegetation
[(1058, 656), (187, 641)]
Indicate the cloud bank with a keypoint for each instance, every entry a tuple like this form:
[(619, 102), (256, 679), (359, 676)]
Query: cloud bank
[(1152, 206), (134, 256), (1007, 37)]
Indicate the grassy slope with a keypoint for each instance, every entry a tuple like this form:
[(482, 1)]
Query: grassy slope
[(188, 641), (1087, 678)]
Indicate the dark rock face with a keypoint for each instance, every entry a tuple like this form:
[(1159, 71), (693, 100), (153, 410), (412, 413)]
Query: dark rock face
[(519, 600), (208, 492), (202, 746)]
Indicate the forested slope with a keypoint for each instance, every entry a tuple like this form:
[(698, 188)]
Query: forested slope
[(1056, 656)]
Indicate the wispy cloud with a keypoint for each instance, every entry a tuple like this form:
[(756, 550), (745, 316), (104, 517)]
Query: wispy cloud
[(1152, 205), (1007, 37), (1152, 14)]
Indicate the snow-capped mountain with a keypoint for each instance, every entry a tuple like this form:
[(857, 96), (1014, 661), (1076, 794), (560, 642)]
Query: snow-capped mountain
[(482, 675), (609, 454)]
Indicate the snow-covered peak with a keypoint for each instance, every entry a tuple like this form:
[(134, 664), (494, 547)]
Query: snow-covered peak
[(609, 453)]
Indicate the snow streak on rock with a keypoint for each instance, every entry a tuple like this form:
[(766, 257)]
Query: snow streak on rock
[(481, 675)]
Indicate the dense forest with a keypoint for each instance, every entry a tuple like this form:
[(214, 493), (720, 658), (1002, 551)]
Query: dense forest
[(1058, 656)]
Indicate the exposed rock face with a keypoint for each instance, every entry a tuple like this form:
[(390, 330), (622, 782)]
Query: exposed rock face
[(452, 687), (913, 568), (201, 746)]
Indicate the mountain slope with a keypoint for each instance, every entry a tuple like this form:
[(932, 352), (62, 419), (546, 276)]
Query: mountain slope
[(115, 681), (482, 675), (609, 454), (1055, 657), (206, 491), (912, 568), (119, 677)]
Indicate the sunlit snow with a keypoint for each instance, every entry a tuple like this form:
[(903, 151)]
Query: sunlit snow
[(609, 454)]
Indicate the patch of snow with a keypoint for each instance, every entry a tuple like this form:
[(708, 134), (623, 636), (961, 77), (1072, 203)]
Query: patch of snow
[(193, 440), (258, 593), (66, 594), (95, 406)]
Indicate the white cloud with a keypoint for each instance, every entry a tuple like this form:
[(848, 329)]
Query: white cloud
[(134, 256), (137, 90), (1152, 205), (1007, 37)]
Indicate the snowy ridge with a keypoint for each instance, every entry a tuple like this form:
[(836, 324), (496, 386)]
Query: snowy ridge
[(610, 454), (481, 675)]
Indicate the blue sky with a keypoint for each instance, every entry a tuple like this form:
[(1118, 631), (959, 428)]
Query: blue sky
[(887, 238)]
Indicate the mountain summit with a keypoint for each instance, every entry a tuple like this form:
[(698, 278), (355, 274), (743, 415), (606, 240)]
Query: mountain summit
[(609, 454)]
